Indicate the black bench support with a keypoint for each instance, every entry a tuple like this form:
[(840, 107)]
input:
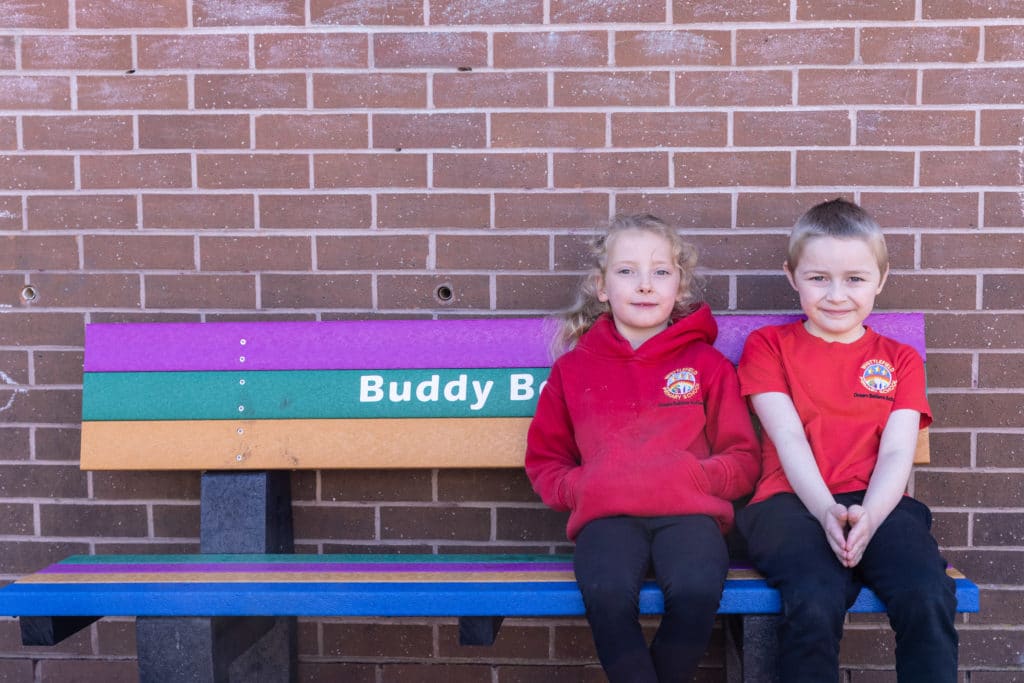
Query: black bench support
[(752, 648), (242, 512), (51, 630), (479, 630)]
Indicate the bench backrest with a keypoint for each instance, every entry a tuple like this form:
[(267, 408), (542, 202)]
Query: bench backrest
[(335, 395)]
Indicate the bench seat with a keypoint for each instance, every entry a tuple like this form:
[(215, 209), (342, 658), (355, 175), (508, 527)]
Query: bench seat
[(351, 585)]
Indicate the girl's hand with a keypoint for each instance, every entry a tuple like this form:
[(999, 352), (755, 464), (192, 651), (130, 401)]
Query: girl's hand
[(834, 520), (862, 528)]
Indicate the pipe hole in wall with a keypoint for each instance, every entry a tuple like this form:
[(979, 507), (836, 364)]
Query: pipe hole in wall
[(29, 294), (444, 293)]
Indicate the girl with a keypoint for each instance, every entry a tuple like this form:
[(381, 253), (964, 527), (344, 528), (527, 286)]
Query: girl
[(641, 434)]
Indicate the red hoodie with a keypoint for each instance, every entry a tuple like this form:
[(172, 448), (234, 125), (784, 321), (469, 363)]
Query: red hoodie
[(659, 430)]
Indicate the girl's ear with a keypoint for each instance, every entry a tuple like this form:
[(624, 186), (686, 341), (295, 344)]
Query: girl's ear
[(881, 283), (602, 294)]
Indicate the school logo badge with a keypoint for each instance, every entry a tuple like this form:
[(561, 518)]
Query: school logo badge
[(878, 376), (682, 383)]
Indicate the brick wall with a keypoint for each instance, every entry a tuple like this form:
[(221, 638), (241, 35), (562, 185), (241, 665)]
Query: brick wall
[(326, 159)]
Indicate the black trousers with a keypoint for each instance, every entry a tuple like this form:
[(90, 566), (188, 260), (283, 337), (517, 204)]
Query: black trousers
[(901, 565), (689, 560)]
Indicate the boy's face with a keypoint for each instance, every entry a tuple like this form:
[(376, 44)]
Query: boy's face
[(837, 280)]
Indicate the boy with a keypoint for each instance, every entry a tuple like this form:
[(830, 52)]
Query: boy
[(840, 408)]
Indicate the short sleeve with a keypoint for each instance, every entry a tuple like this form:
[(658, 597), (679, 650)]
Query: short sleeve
[(760, 368)]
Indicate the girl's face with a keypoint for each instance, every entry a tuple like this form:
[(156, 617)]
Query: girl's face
[(640, 284), (837, 280)]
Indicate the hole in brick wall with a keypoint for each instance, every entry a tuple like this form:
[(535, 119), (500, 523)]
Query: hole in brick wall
[(465, 68), (444, 293), (29, 293)]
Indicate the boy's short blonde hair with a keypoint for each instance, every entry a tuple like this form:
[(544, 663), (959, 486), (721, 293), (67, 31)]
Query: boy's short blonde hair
[(841, 219)]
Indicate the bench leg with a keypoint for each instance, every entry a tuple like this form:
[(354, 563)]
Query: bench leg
[(479, 630), (51, 630), (246, 512), (216, 650), (752, 648)]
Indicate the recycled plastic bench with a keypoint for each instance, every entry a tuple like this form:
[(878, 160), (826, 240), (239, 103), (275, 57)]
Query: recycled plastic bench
[(245, 403)]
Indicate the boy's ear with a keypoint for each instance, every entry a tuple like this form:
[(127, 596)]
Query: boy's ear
[(789, 274)]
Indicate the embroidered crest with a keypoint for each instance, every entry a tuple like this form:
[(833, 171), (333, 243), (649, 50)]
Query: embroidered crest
[(878, 376), (682, 383)]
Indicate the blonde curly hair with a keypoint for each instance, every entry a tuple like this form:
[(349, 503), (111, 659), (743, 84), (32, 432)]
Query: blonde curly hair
[(587, 308)]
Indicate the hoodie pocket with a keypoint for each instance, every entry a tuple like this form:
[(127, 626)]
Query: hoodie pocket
[(567, 487)]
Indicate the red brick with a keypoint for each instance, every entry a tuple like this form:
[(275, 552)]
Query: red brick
[(78, 211), (949, 370), (130, 14), (87, 291), (779, 210), (686, 210), (619, 11), (405, 131), (132, 92), (851, 10), (417, 292), (197, 211), (35, 92), (143, 485), (791, 128), (928, 292), (733, 88), (611, 169), (10, 287), (31, 252), (138, 252), (989, 331), (857, 86), (16, 520), (1004, 43), (1000, 450), (550, 49), (551, 210), (314, 211), (253, 170), (967, 489), (251, 91), (248, 254), (264, 13), (484, 12), (1003, 292), (536, 293), (740, 252), (669, 129), (200, 291), (194, 131), (518, 252), (57, 367), (919, 44), (923, 209), (1004, 209), (702, 11), (136, 170), (38, 15), (176, 521), (476, 90), (42, 329), (969, 9), (972, 168), (915, 127), (672, 47), (396, 50), (316, 291), (391, 90), (433, 210), (302, 131), (8, 52), (10, 213), (93, 520), (36, 172), (1002, 126), (311, 51), (376, 252), (973, 86), (999, 370), (490, 170), (370, 170), (8, 132), (854, 168), (205, 51), (14, 441), (709, 169), (390, 13), (78, 53), (77, 132), (803, 46), (543, 129), (974, 251), (595, 89)]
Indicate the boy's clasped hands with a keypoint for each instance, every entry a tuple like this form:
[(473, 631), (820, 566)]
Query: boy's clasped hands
[(848, 530)]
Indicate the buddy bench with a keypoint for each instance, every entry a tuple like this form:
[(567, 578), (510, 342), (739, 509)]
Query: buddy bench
[(246, 402)]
